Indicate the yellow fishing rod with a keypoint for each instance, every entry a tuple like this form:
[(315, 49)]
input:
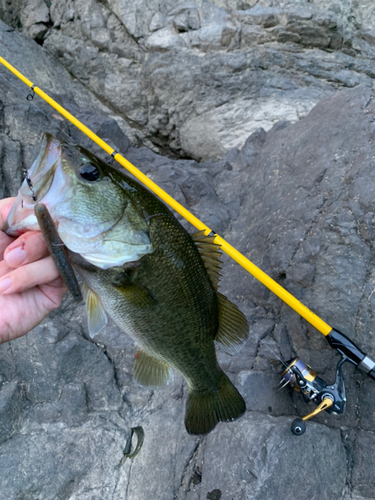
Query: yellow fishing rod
[(345, 346), (225, 246)]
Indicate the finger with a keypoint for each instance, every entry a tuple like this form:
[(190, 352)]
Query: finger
[(29, 309), (54, 293), (29, 247), (4, 242), (4, 268), (25, 277), (5, 206)]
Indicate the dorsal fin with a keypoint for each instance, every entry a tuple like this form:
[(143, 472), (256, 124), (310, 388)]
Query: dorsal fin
[(210, 253), (233, 327)]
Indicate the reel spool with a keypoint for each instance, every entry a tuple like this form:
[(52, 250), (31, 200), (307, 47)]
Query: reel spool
[(304, 380)]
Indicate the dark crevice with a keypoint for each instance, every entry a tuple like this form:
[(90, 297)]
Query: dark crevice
[(115, 375), (191, 474), (280, 277), (143, 412), (132, 37), (2, 118), (348, 441), (86, 399), (162, 145), (128, 482)]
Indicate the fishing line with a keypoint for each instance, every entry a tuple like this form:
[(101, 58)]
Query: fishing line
[(71, 139), (30, 98), (262, 341), (148, 218), (25, 170)]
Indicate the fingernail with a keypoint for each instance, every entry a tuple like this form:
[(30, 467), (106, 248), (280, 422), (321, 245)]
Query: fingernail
[(5, 284), (15, 257)]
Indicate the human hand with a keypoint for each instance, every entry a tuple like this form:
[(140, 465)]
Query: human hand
[(30, 285)]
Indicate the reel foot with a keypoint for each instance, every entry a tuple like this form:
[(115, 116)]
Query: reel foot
[(298, 427)]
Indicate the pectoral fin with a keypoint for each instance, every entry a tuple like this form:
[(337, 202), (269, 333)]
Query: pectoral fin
[(138, 296), (134, 294), (96, 315), (233, 327), (151, 371)]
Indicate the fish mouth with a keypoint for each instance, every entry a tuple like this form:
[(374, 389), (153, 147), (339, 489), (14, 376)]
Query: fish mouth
[(21, 217)]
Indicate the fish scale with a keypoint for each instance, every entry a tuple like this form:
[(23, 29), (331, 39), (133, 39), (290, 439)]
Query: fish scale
[(144, 270), (183, 320)]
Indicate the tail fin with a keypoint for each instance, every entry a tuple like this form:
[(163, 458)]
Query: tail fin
[(205, 409)]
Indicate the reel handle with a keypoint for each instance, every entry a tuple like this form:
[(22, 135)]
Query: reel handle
[(324, 405), (298, 426), (347, 348)]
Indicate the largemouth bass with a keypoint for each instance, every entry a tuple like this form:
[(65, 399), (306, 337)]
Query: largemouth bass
[(144, 270)]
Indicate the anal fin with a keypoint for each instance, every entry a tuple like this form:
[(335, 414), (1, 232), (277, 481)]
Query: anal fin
[(233, 327), (151, 371)]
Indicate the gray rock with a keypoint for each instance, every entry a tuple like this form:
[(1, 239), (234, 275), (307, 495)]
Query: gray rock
[(11, 409), (194, 22), (292, 188), (363, 467), (34, 18), (256, 440), (166, 69), (164, 40), (256, 388), (157, 22), (181, 22), (85, 400), (369, 36), (263, 16)]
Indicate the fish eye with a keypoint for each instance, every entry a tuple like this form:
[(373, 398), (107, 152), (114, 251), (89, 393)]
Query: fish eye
[(89, 172)]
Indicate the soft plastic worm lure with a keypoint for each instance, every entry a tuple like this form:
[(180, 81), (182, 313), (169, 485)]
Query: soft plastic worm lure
[(140, 433), (57, 250)]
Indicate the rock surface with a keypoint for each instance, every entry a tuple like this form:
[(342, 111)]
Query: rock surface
[(298, 200), (195, 79)]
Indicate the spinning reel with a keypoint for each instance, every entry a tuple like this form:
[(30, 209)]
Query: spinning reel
[(303, 379), (328, 397)]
